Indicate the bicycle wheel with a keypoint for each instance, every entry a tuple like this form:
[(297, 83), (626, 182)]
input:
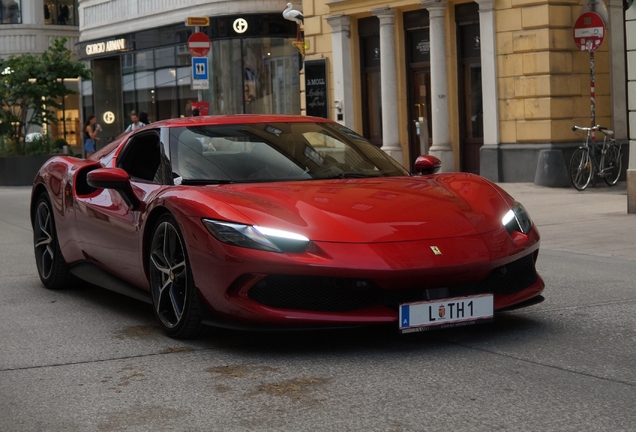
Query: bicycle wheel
[(611, 165), (581, 169)]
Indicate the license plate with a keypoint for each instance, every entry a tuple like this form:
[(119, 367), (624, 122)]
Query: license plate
[(446, 313)]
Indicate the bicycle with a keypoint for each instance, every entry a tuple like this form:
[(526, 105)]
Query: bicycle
[(583, 164)]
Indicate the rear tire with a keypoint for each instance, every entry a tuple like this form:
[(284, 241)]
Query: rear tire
[(174, 295), (612, 165), (52, 269), (581, 169)]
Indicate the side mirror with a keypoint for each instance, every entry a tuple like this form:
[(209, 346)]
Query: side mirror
[(427, 164), (117, 179)]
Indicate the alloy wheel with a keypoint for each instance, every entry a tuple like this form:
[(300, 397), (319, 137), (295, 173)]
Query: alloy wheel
[(44, 240), (168, 275)]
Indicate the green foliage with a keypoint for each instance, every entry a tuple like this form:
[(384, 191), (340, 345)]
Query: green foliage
[(30, 87), (58, 143), (40, 145)]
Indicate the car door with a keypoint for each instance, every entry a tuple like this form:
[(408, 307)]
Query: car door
[(109, 230)]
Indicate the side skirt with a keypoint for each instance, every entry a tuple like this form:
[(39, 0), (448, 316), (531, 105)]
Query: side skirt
[(90, 273)]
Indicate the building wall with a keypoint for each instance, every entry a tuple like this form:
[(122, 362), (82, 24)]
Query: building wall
[(32, 35), (543, 80), (97, 18), (630, 31)]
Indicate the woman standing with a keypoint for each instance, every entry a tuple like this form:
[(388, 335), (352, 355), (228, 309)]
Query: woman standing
[(90, 135)]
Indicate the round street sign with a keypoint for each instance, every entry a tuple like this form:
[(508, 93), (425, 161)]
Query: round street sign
[(199, 44), (589, 32)]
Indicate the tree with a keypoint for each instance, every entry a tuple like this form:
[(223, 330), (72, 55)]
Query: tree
[(31, 87)]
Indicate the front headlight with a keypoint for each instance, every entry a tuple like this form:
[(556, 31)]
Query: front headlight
[(517, 219), (255, 237)]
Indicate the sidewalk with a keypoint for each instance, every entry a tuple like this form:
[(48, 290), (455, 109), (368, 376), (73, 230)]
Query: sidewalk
[(592, 222)]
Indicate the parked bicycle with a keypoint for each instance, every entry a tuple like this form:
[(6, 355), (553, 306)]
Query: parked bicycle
[(584, 163)]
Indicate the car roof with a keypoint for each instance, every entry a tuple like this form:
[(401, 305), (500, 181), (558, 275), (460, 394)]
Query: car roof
[(237, 119)]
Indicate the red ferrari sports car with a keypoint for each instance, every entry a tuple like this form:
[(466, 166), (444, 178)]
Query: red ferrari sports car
[(281, 221)]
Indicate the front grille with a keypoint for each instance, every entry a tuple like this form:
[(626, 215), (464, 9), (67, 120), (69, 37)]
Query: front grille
[(327, 294), (310, 293)]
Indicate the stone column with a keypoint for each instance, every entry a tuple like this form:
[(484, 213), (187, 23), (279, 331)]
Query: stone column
[(388, 84), (616, 31), (441, 146), (342, 70), (489, 153), (630, 30)]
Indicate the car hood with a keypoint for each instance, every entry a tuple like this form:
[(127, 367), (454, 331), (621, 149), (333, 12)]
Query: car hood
[(371, 210)]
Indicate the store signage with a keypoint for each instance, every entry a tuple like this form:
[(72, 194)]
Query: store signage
[(589, 31), (109, 117), (240, 25), (107, 46), (316, 88)]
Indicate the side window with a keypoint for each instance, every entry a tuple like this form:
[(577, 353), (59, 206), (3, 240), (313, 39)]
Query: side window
[(142, 158)]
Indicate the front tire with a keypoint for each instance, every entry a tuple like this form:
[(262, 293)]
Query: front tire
[(52, 269), (581, 169), (612, 165), (171, 283)]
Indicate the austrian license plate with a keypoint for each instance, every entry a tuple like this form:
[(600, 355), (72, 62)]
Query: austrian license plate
[(446, 313)]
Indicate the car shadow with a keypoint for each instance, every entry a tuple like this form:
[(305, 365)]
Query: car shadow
[(508, 326), (384, 338)]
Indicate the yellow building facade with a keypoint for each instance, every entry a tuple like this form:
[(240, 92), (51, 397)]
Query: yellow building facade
[(487, 85)]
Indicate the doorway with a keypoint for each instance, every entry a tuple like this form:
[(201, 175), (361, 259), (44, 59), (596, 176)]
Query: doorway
[(107, 98), (471, 126), (369, 31), (418, 46)]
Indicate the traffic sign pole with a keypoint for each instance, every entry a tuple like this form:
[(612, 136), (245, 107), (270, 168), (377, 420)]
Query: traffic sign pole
[(589, 33), (199, 92), (592, 98), (199, 45)]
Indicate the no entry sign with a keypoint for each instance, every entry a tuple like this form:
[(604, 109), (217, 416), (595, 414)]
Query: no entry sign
[(589, 31), (199, 44)]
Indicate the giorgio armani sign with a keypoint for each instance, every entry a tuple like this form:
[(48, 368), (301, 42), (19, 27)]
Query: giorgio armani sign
[(105, 47)]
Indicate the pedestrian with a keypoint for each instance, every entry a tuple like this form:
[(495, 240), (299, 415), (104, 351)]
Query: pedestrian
[(136, 124), (249, 99), (143, 117), (90, 135)]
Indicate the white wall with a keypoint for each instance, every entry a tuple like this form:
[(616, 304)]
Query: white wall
[(102, 19)]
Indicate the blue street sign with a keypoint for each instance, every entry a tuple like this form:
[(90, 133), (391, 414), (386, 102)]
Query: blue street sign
[(200, 68)]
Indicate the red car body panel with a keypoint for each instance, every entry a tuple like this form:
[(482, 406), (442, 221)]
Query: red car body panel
[(379, 229)]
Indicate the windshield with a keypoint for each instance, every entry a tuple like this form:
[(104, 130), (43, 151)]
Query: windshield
[(259, 152)]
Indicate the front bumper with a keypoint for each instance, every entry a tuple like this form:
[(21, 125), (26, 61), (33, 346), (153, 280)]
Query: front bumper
[(251, 287)]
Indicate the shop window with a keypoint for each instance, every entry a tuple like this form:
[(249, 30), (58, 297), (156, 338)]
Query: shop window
[(144, 61), (164, 57), (10, 12), (254, 75), (68, 122), (184, 57), (61, 12)]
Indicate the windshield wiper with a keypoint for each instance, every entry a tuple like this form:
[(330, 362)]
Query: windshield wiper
[(205, 181), (350, 175)]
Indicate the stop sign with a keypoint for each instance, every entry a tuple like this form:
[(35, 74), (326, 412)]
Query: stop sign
[(589, 31), (199, 44)]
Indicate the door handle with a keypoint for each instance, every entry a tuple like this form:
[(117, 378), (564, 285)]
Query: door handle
[(419, 110)]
